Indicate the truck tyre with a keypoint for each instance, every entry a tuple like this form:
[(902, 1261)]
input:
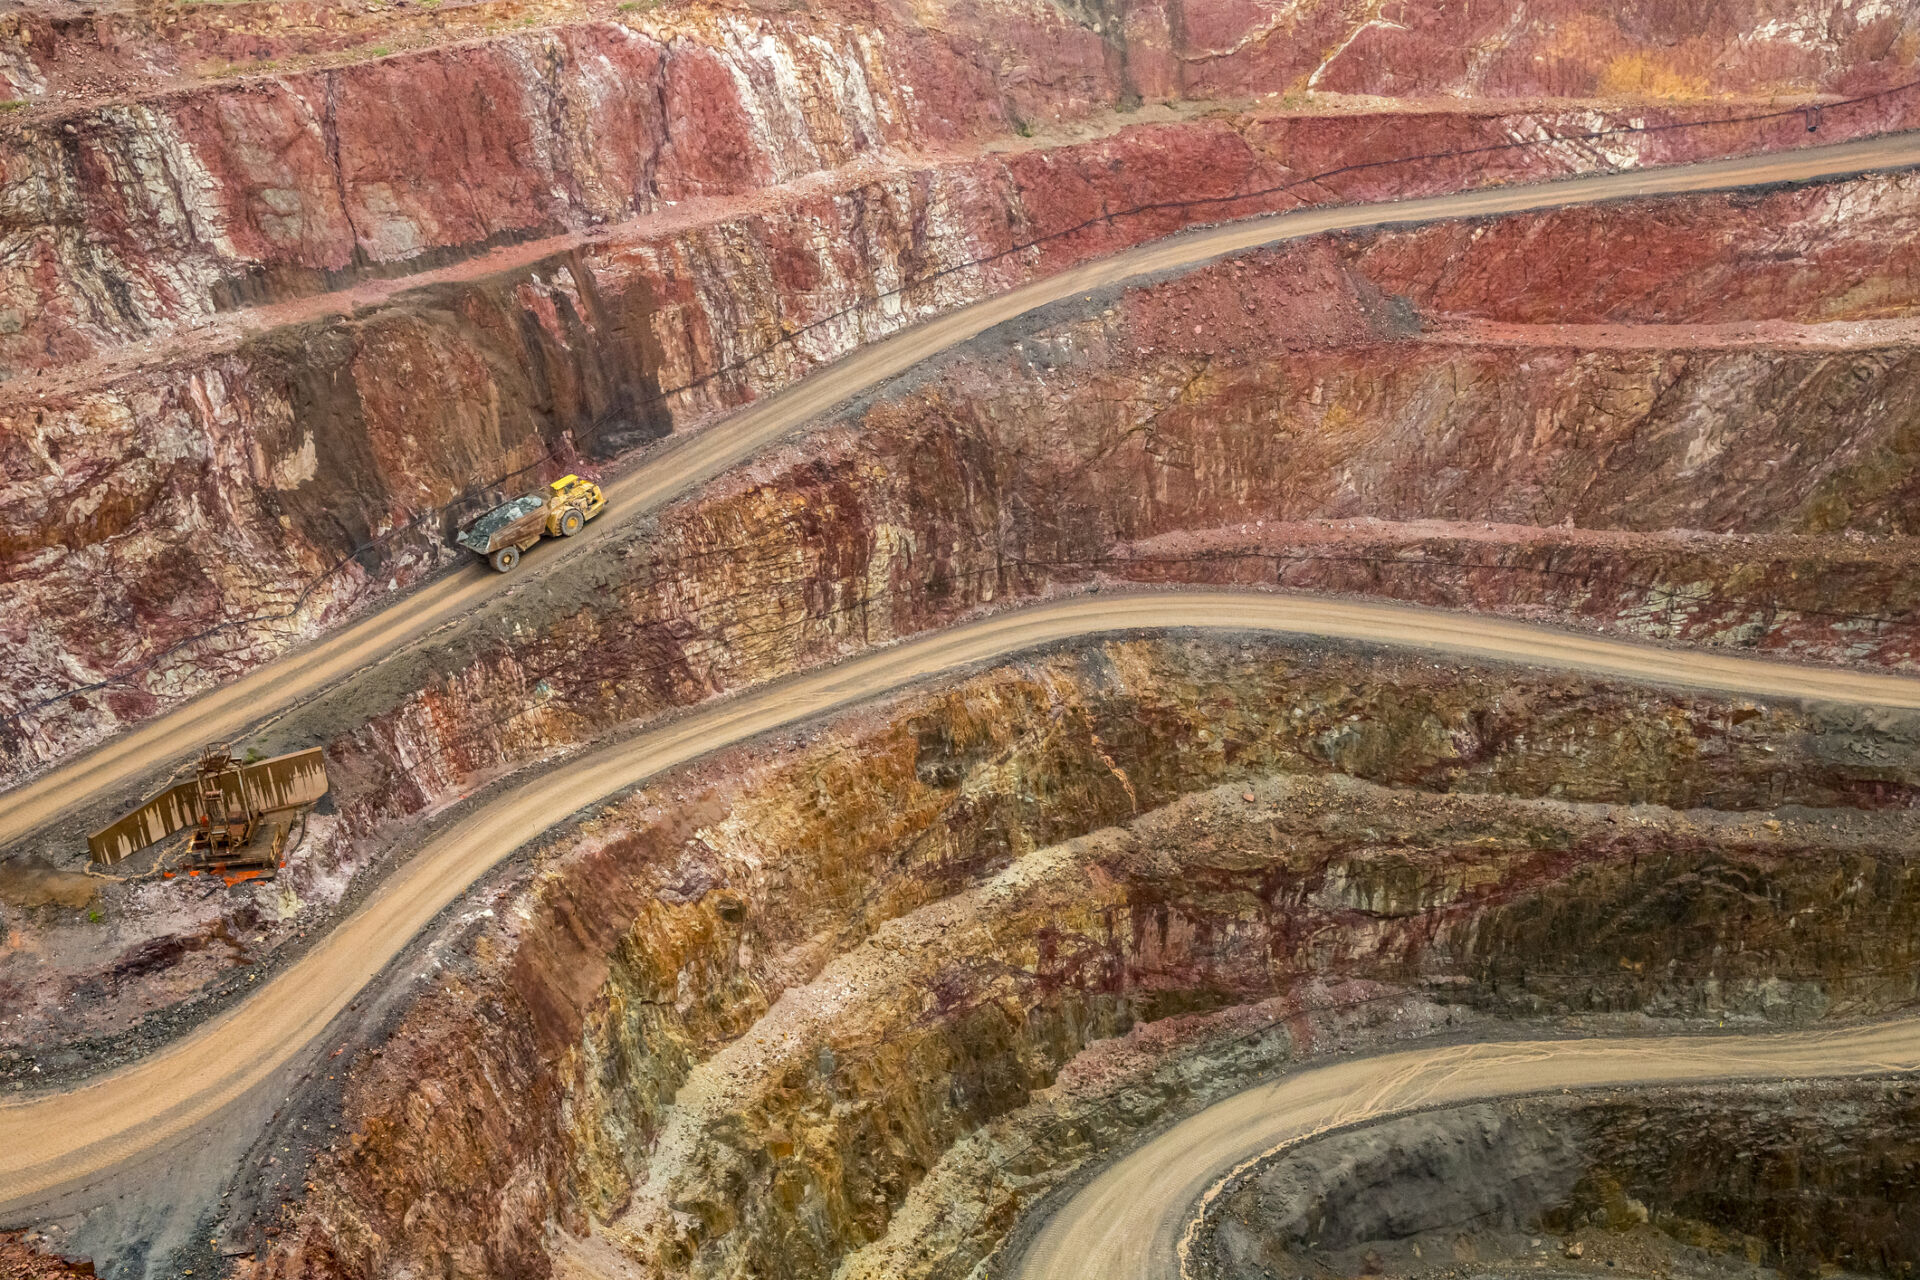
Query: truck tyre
[(570, 522), (505, 558)]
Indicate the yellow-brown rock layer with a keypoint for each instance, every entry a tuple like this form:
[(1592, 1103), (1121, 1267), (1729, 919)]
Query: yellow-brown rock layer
[(557, 1078)]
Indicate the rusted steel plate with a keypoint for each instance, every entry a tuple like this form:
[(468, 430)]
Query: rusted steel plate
[(284, 782), (170, 811)]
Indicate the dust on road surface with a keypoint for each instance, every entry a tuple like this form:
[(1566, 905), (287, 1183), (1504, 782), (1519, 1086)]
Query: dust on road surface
[(225, 712), (58, 1141), (1131, 1222)]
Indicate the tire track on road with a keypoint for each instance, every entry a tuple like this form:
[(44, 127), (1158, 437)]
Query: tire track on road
[(227, 712), (1134, 1221), (56, 1142)]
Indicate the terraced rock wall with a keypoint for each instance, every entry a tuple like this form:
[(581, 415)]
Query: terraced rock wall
[(190, 492), (150, 217), (283, 304), (1200, 48), (1315, 433), (149, 547), (743, 1017), (1770, 1179)]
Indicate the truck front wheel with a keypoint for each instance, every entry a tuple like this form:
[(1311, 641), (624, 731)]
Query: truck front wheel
[(505, 558), (570, 522)]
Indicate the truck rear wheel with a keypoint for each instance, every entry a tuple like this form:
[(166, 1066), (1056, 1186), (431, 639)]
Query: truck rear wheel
[(505, 558), (570, 522)]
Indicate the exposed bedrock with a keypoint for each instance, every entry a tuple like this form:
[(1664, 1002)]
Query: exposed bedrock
[(1526, 48), (733, 1024), (137, 221), (1336, 378), (26, 1255), (1309, 436), (1531, 48), (1802, 1179), (136, 218), (1212, 901), (283, 304)]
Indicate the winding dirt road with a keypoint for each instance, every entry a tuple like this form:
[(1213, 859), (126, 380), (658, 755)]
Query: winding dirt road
[(55, 1142), (1129, 1223), (226, 712)]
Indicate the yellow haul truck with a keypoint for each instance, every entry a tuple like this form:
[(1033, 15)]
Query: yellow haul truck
[(560, 510)]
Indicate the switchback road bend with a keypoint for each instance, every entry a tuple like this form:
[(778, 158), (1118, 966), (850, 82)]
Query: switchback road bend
[(225, 713), (1129, 1222), (55, 1142)]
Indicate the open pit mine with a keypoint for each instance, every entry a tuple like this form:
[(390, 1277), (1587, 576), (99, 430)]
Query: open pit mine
[(959, 640)]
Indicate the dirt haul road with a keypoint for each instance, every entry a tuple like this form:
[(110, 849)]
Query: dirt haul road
[(226, 712), (1131, 1222), (58, 1141)]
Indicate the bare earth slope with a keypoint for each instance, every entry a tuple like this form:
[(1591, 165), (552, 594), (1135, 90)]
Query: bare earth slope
[(1130, 1223), (57, 1141), (138, 754)]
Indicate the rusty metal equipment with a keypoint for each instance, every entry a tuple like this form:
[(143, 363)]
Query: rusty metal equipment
[(230, 805), (225, 819)]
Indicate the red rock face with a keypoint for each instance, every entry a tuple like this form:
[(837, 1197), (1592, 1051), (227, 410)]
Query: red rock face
[(1703, 483), (232, 502), (1523, 48), (548, 1073), (1167, 47), (225, 429), (23, 1258), (142, 216), (138, 217)]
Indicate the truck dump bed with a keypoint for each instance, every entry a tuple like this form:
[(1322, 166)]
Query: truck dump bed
[(504, 525)]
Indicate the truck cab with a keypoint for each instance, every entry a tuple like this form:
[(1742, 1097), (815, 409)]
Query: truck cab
[(571, 493)]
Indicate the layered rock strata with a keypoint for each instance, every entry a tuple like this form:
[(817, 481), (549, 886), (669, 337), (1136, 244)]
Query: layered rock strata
[(233, 420), (117, 592), (1800, 1179), (146, 224), (1314, 434), (1201, 48), (823, 1110), (751, 1010), (178, 514)]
